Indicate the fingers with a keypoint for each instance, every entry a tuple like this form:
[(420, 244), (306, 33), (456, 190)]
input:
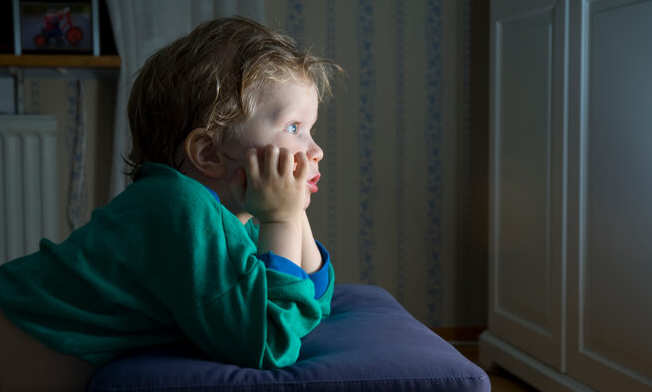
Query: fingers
[(275, 190), (251, 163), (270, 163), (277, 161), (274, 161), (301, 172), (285, 162)]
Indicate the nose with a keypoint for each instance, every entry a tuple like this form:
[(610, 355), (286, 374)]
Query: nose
[(314, 152)]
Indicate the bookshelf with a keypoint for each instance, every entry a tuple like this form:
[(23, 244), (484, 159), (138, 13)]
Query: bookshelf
[(59, 61)]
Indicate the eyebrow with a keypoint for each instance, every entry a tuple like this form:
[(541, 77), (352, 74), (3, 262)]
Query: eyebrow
[(283, 113)]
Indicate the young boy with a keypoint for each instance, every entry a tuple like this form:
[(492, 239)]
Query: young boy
[(221, 125)]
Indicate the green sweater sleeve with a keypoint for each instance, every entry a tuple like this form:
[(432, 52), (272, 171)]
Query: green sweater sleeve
[(220, 294), (163, 262), (325, 298)]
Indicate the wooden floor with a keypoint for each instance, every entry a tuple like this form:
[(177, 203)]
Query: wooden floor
[(501, 381)]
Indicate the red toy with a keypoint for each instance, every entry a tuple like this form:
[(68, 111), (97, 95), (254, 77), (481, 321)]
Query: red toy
[(58, 23)]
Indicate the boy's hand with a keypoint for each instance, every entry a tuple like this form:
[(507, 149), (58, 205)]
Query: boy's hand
[(275, 192)]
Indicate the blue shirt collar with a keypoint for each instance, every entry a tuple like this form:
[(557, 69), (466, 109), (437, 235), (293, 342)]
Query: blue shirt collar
[(213, 193)]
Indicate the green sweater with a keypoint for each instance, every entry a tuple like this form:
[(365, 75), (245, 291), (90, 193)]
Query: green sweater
[(163, 262)]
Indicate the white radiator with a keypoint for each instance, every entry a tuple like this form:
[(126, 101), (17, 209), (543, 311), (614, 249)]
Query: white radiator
[(28, 183)]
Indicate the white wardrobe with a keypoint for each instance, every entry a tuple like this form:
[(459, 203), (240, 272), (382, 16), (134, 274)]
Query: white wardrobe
[(570, 302)]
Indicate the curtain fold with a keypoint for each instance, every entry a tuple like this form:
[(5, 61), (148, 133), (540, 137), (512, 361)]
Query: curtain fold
[(142, 27)]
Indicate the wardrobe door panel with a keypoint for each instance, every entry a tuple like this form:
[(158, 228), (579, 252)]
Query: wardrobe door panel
[(610, 345), (527, 177)]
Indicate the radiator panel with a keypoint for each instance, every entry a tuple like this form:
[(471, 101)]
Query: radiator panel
[(28, 183)]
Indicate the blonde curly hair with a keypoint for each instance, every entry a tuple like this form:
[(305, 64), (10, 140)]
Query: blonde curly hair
[(211, 79)]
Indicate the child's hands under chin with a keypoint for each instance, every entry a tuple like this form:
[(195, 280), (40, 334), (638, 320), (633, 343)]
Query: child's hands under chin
[(275, 191)]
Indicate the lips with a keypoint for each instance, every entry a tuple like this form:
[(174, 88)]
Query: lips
[(312, 183)]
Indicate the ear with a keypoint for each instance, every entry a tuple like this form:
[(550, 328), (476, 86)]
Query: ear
[(202, 153)]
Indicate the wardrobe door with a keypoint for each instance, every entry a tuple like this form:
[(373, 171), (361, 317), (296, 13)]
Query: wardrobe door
[(527, 164), (610, 183)]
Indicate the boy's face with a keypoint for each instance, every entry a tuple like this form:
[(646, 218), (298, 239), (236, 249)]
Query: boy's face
[(284, 117)]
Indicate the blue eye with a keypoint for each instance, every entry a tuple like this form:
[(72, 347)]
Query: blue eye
[(292, 128)]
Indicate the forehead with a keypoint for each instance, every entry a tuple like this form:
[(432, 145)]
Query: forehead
[(289, 97)]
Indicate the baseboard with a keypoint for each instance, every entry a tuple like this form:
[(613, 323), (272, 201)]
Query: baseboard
[(495, 351)]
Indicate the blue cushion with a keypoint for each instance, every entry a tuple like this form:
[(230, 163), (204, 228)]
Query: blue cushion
[(369, 343)]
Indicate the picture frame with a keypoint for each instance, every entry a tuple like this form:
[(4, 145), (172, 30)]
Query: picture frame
[(56, 27)]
